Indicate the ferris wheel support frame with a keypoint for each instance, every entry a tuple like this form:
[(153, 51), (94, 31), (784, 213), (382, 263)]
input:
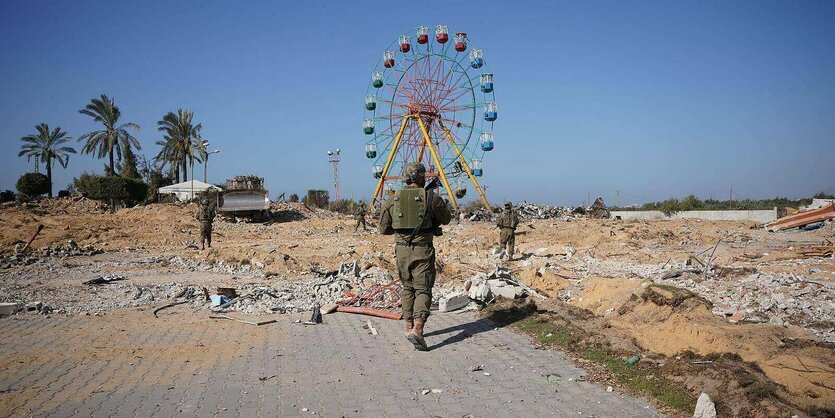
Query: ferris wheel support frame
[(427, 142), (467, 168)]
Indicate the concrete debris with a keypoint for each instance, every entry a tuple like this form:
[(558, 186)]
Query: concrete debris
[(504, 275), (704, 407), (58, 250), (505, 290), (37, 307), (9, 308), (479, 289), (808, 217), (598, 209), (529, 211), (779, 298), (111, 291), (453, 301), (106, 279)]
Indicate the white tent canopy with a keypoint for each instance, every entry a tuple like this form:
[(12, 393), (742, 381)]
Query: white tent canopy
[(183, 190)]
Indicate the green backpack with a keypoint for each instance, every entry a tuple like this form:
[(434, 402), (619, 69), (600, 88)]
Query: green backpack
[(410, 209)]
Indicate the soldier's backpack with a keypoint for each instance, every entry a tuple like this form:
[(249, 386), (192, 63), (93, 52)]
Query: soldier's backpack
[(411, 209)]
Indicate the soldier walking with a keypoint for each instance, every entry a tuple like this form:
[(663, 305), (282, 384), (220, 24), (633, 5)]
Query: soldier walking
[(415, 215), (359, 215), (507, 223), (206, 215)]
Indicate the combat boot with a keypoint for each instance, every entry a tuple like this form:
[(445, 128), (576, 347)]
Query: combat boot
[(410, 323), (416, 337)]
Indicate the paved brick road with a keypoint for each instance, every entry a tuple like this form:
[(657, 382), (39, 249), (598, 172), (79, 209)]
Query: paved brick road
[(130, 364)]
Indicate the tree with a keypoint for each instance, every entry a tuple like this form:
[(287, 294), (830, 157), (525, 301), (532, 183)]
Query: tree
[(112, 188), (128, 166), (46, 146), (32, 184), (317, 198), (180, 142), (114, 138), (7, 196)]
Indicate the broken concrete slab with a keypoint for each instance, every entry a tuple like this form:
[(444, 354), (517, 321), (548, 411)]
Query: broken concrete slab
[(453, 301), (505, 290), (9, 308)]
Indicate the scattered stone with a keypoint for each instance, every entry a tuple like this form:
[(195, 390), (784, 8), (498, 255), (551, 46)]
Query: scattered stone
[(704, 407)]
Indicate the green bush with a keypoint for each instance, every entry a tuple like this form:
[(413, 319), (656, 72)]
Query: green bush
[(7, 196), (32, 184), (113, 188), (317, 198), (294, 198)]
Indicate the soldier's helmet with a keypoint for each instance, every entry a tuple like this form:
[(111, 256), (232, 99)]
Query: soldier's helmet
[(412, 172), (204, 202), (508, 205)]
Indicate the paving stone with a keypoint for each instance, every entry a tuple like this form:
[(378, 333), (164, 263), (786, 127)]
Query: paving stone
[(333, 369)]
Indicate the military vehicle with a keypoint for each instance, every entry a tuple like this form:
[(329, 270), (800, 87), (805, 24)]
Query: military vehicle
[(245, 197)]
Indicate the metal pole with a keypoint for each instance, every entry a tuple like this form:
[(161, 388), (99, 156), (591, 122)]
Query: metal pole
[(205, 168), (438, 164), (379, 189), (192, 179)]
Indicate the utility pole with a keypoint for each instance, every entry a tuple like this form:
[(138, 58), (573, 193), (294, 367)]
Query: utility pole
[(333, 158), (731, 198), (617, 192)]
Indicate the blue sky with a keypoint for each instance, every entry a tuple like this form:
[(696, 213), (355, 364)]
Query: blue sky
[(656, 99)]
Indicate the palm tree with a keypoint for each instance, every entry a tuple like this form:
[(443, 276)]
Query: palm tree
[(168, 153), (114, 138), (46, 146), (181, 140)]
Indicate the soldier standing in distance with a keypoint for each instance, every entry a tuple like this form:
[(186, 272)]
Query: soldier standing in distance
[(360, 217), (507, 223), (415, 215), (206, 215)]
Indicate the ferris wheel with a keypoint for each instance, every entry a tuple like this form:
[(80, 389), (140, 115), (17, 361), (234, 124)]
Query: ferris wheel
[(430, 101)]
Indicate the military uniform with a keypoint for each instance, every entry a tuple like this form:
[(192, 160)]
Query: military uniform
[(206, 215), (415, 254), (360, 216), (507, 223)]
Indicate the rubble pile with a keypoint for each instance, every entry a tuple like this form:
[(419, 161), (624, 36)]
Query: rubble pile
[(301, 296), (780, 299), (530, 211), (247, 270), (483, 288), (598, 209), (109, 292), (77, 205), (479, 215), (751, 295), (68, 249)]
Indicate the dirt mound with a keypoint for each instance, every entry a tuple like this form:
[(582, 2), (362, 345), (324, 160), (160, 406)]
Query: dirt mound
[(89, 223), (671, 321)]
